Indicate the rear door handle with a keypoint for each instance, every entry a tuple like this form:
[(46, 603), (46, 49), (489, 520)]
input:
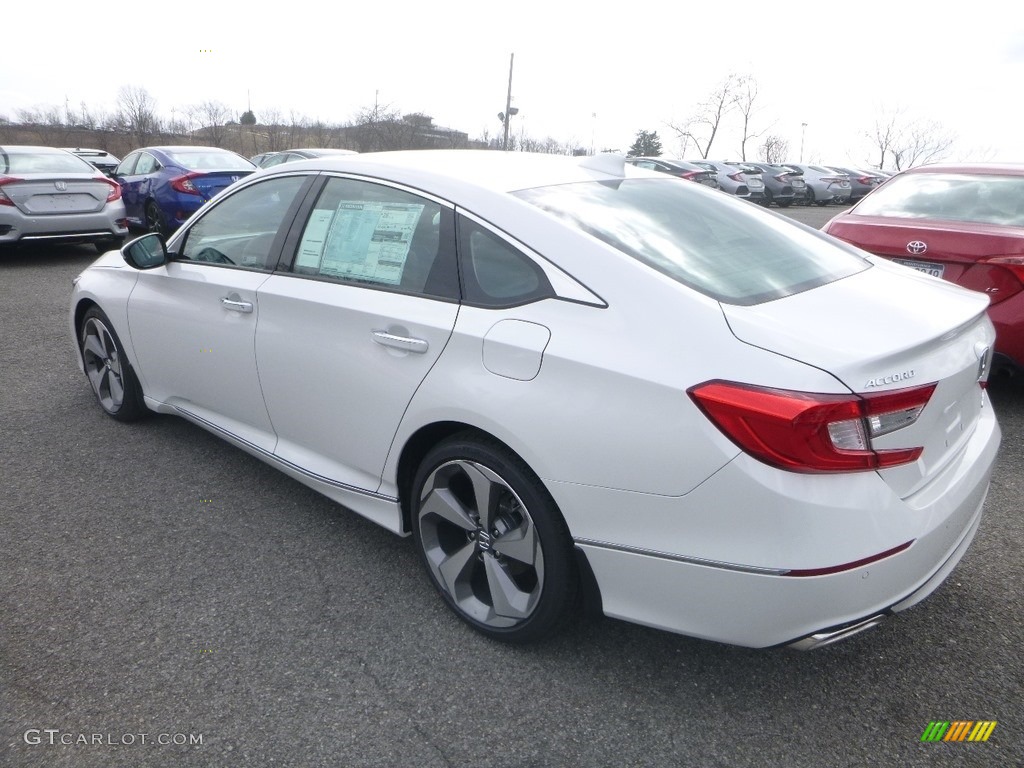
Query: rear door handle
[(405, 343)]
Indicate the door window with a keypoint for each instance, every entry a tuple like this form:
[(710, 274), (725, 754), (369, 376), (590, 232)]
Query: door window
[(377, 236), (240, 230)]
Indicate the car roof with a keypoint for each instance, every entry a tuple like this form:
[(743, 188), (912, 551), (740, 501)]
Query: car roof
[(1001, 169), (14, 148), (452, 171)]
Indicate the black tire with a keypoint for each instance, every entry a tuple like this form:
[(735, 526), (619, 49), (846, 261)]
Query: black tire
[(810, 196), (113, 381), (766, 201), (784, 203), (110, 244), (155, 219), (520, 595)]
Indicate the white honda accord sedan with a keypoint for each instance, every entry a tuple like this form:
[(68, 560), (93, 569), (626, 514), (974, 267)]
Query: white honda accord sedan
[(571, 379)]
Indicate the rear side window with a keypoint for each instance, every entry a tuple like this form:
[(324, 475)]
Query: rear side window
[(721, 247), (12, 161), (950, 196), (494, 272)]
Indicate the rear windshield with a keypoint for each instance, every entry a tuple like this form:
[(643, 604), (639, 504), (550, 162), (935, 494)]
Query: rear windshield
[(210, 161), (724, 248), (12, 161), (949, 196)]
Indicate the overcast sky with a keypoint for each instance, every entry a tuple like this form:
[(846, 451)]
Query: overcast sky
[(587, 73)]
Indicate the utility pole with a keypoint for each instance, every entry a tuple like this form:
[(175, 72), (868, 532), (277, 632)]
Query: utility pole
[(803, 133), (507, 115)]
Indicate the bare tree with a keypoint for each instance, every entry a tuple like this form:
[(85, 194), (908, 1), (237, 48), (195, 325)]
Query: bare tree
[(920, 143), (744, 99), (908, 142), (136, 113), (885, 134), (774, 149), (702, 126), (212, 117)]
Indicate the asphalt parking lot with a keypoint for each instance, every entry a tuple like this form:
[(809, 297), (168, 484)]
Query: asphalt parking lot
[(158, 585)]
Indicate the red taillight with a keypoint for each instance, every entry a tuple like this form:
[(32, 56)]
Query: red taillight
[(184, 184), (831, 179), (690, 175), (4, 199), (738, 176), (782, 177), (807, 432), (866, 180), (115, 191)]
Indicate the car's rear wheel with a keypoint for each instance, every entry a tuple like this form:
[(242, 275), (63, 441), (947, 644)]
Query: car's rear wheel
[(810, 196), (766, 201), (113, 381), (493, 540), (155, 219), (784, 203)]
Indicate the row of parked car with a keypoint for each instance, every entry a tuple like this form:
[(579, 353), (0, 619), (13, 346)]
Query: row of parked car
[(49, 193), (781, 183)]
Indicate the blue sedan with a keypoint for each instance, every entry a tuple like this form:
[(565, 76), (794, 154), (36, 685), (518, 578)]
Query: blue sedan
[(163, 186)]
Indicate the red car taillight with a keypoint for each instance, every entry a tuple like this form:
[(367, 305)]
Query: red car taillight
[(115, 191), (807, 432), (738, 176), (184, 184), (831, 179), (4, 199)]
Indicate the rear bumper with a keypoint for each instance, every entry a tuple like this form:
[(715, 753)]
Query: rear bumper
[(738, 592)]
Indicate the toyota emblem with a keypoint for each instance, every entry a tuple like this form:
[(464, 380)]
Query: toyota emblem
[(62, 186), (916, 247)]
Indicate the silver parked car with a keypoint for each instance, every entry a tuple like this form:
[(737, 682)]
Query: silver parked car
[(270, 159), (824, 185), (100, 158), (49, 194), (733, 180)]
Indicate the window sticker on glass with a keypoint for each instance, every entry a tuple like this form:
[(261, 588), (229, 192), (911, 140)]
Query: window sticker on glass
[(366, 241)]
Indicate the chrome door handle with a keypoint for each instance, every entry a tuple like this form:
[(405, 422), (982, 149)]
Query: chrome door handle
[(245, 307), (405, 343)]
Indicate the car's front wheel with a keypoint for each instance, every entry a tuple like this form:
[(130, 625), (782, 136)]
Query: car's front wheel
[(493, 541), (106, 365)]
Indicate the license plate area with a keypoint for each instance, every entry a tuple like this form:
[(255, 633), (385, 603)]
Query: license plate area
[(929, 268)]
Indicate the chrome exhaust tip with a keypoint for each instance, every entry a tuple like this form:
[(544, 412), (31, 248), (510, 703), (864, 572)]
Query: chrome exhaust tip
[(822, 639)]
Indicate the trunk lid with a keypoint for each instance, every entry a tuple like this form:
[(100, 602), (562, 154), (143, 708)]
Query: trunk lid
[(57, 195), (209, 183), (897, 338)]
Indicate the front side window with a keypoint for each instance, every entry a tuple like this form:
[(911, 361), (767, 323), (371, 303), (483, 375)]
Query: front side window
[(127, 166), (377, 236), (241, 229), (950, 196), (147, 164), (720, 247)]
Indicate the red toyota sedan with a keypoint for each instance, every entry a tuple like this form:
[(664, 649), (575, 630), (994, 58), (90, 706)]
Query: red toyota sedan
[(962, 223)]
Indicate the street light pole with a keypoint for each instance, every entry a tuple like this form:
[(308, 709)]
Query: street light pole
[(508, 102), (803, 133)]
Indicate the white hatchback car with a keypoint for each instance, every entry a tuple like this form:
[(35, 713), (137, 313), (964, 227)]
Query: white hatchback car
[(570, 376)]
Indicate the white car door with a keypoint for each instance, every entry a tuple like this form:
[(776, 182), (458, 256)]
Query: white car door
[(193, 321), (347, 336)]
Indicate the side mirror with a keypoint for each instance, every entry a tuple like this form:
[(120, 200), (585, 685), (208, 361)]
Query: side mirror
[(145, 252)]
